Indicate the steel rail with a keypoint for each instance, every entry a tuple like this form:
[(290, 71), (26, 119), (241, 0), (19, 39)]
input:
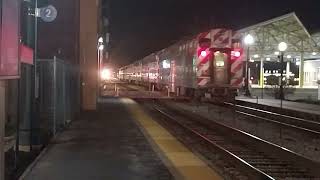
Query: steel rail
[(259, 143), (254, 172), (299, 124)]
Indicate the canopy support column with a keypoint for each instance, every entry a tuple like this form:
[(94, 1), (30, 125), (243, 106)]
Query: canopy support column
[(301, 67)]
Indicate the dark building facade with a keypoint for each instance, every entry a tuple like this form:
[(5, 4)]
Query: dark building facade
[(61, 37)]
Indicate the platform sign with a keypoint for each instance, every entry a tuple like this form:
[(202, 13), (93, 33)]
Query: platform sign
[(9, 39), (48, 14)]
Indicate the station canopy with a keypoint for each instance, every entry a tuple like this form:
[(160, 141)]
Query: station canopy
[(287, 28)]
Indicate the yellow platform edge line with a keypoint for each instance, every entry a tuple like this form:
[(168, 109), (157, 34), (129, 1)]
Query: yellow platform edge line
[(180, 161)]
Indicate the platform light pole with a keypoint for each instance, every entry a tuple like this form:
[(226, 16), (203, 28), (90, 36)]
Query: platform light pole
[(282, 48), (248, 40), (34, 82), (100, 54), (100, 57)]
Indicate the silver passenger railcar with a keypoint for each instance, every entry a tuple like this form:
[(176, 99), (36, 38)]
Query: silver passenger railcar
[(208, 65)]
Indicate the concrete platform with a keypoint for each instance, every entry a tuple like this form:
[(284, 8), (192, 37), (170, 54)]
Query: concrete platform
[(101, 145), (118, 142), (303, 107), (180, 160)]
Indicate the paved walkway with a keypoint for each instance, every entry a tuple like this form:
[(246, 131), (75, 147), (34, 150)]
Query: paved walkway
[(303, 107), (103, 145)]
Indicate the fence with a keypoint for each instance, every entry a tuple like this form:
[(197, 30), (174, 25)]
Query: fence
[(59, 98)]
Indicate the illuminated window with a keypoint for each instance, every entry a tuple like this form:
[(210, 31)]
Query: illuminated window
[(220, 58), (315, 76), (165, 64), (307, 77)]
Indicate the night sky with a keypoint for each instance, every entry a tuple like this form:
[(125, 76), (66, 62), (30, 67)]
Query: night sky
[(140, 27)]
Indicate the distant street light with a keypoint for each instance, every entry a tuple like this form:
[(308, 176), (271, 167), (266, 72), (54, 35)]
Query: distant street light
[(100, 40), (282, 47), (248, 40), (100, 61), (101, 47)]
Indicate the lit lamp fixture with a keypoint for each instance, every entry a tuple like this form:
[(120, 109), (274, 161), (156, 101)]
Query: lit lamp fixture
[(277, 53), (100, 40), (314, 53), (100, 62), (298, 62), (289, 56), (248, 40), (101, 47), (282, 47)]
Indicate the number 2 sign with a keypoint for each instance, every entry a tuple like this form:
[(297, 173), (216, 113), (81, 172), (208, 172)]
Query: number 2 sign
[(49, 13)]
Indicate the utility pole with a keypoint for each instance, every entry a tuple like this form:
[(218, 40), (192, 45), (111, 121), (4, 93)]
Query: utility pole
[(34, 82), (282, 47), (248, 40), (247, 90), (281, 77)]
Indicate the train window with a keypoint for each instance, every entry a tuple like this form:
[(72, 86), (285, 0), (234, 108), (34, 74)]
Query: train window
[(220, 58), (166, 64)]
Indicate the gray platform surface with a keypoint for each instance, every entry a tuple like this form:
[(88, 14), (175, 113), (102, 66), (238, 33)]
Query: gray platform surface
[(303, 107), (103, 145)]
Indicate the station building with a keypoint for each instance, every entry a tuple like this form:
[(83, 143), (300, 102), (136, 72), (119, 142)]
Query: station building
[(301, 59)]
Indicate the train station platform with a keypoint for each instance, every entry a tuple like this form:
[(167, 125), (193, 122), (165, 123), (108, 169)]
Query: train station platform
[(296, 106), (119, 141)]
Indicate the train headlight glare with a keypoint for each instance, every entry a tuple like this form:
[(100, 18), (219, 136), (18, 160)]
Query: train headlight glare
[(106, 74)]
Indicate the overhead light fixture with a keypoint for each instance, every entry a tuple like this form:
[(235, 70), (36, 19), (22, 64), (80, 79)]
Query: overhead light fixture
[(248, 40), (289, 56), (282, 46), (268, 59), (101, 47), (100, 40), (314, 53), (276, 53), (166, 64)]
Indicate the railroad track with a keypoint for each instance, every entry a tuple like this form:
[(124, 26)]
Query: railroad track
[(257, 158), (300, 124), (126, 87)]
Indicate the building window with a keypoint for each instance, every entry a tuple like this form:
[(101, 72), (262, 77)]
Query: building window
[(307, 77), (315, 76)]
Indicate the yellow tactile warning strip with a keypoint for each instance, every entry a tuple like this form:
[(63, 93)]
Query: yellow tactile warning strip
[(180, 160)]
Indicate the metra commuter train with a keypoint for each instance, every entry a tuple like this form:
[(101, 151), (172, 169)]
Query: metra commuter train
[(209, 66)]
